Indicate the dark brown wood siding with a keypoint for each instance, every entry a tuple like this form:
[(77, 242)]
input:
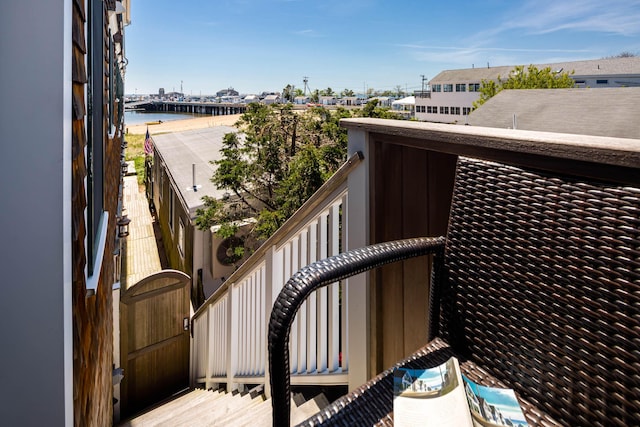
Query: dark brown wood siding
[(410, 197), (92, 315)]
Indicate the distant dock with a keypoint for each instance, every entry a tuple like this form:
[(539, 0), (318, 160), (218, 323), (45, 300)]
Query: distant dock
[(209, 108)]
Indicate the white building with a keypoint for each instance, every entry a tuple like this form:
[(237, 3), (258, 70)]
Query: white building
[(301, 100), (453, 92), (271, 99), (405, 106), (251, 98), (328, 100)]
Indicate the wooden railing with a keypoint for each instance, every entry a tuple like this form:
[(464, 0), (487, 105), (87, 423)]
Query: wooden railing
[(229, 343)]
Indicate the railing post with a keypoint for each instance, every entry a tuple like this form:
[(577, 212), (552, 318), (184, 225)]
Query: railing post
[(268, 302), (232, 336), (357, 291), (207, 343)]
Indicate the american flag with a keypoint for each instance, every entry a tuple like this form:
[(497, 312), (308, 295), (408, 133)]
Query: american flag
[(148, 147)]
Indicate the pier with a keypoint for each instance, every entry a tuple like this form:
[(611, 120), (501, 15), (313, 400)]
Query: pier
[(211, 108)]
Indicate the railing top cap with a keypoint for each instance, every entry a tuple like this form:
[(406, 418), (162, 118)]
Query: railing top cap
[(599, 149)]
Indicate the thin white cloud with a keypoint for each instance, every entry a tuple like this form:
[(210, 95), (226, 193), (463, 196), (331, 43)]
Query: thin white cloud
[(488, 48), (619, 17), (307, 33)]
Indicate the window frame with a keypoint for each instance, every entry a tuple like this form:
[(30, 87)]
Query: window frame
[(181, 237), (172, 210), (474, 87), (95, 148)]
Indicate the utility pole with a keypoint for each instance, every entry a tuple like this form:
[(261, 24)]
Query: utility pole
[(305, 79), (423, 79), (181, 87)]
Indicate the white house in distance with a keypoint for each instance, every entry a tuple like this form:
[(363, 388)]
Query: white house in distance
[(405, 106), (453, 92)]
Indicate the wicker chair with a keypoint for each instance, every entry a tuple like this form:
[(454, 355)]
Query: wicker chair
[(536, 287)]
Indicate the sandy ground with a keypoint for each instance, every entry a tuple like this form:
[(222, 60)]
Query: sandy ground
[(182, 125)]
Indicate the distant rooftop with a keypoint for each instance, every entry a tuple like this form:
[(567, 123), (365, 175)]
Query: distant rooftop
[(180, 150), (594, 67), (599, 112)]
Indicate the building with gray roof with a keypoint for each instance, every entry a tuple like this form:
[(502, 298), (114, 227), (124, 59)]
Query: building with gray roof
[(453, 92), (179, 178), (600, 112)]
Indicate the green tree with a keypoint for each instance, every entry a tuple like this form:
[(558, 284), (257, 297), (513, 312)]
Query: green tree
[(346, 93), (304, 178), (314, 96), (371, 109), (288, 93), (625, 54), (280, 159), (529, 78), (327, 92)]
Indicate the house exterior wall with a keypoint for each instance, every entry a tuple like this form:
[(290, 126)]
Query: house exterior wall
[(611, 72), (450, 107), (607, 81), (164, 192), (98, 131), (36, 177), (57, 335)]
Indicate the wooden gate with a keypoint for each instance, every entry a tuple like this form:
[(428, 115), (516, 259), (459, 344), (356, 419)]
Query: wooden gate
[(154, 339)]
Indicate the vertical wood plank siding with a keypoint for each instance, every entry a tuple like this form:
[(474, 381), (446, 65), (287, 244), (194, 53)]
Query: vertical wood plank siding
[(421, 208)]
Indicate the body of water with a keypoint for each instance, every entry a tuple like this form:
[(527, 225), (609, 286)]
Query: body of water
[(142, 117)]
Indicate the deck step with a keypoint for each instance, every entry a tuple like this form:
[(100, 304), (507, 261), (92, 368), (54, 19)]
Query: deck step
[(308, 409), (211, 408)]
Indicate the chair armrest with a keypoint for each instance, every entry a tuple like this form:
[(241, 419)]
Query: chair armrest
[(317, 275)]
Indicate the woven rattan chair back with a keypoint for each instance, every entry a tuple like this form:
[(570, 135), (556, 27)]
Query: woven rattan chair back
[(542, 288)]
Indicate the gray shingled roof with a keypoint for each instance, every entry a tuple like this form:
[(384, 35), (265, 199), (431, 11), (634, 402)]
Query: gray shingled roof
[(600, 112), (594, 67), (180, 150)]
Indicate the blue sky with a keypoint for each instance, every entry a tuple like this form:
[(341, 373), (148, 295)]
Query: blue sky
[(263, 45)]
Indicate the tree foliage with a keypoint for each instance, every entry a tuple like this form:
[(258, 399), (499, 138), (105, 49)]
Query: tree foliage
[(372, 109), (529, 78), (289, 93), (280, 158)]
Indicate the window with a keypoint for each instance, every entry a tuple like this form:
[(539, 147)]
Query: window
[(181, 238), (432, 110), (444, 110), (95, 130), (116, 268), (461, 87), (455, 110), (466, 111), (161, 173), (474, 87), (171, 209), (602, 81), (436, 88), (111, 88), (448, 88)]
